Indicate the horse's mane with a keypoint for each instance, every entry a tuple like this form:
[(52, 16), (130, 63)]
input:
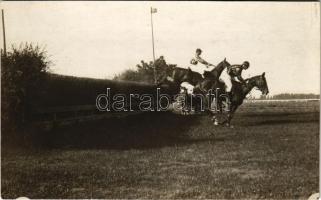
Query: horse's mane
[(238, 85), (220, 64), (253, 78), (216, 72)]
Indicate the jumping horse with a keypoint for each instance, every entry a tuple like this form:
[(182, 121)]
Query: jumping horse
[(239, 92)]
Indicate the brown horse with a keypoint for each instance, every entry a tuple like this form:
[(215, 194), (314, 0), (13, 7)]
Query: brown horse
[(212, 78), (174, 77), (239, 92), (212, 82), (217, 71)]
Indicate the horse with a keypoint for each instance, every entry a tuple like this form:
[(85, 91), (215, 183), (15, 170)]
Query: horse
[(239, 92), (212, 81), (174, 77), (212, 77), (180, 75), (217, 71)]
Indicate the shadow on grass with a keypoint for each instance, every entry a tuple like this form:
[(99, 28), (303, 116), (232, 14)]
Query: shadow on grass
[(147, 130)]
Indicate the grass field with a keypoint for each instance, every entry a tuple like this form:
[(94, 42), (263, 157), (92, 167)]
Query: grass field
[(162, 155)]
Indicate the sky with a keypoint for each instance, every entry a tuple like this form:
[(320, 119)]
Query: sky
[(101, 39)]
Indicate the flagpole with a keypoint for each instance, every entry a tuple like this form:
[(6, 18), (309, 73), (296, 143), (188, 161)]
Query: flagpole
[(151, 18), (4, 34)]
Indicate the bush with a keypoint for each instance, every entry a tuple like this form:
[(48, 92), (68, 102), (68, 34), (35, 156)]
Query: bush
[(145, 72), (23, 69)]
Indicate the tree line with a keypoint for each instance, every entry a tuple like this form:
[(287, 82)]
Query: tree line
[(291, 96)]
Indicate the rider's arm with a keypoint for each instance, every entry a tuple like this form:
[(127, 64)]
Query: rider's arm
[(240, 78), (201, 60), (238, 73)]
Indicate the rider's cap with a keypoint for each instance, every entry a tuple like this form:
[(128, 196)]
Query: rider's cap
[(198, 50)]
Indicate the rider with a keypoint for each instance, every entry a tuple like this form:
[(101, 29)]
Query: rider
[(200, 69), (235, 71), (197, 60), (160, 62)]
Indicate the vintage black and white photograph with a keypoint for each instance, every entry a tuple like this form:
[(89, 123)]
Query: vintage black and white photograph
[(160, 100)]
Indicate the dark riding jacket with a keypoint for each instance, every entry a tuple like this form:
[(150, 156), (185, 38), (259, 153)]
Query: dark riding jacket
[(235, 71)]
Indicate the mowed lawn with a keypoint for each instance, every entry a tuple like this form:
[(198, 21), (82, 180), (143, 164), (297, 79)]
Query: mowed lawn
[(163, 155)]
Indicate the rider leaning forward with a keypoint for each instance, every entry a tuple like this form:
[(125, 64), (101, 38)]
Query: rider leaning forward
[(235, 71)]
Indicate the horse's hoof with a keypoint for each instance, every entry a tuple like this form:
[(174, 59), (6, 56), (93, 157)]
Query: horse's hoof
[(229, 126)]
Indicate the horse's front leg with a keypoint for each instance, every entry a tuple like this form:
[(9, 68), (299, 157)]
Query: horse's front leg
[(214, 117), (228, 120), (215, 120), (230, 115), (215, 112), (218, 111)]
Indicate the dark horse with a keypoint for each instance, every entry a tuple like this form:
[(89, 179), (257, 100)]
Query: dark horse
[(217, 71), (212, 77), (173, 77), (212, 81), (239, 92)]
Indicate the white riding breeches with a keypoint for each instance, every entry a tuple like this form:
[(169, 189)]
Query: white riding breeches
[(188, 87), (200, 68), (227, 80)]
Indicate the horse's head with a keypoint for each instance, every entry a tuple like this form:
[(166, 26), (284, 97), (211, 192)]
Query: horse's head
[(260, 83), (217, 71), (224, 63)]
